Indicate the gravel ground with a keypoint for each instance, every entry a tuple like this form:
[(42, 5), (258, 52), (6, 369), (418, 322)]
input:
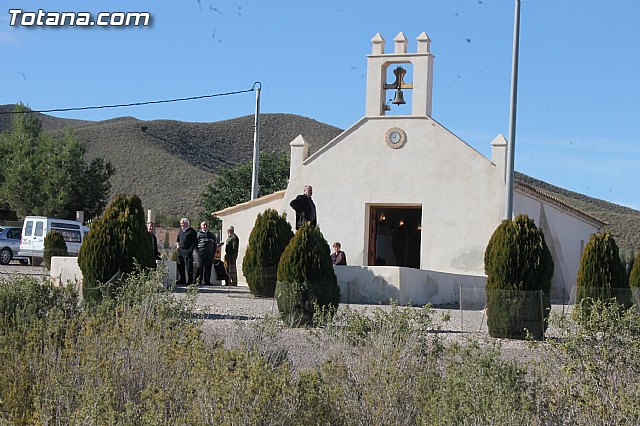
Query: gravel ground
[(15, 268), (231, 313)]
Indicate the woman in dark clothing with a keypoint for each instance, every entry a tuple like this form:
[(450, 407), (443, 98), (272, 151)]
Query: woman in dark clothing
[(338, 257)]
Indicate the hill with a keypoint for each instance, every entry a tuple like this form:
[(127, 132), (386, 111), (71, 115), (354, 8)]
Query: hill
[(168, 163)]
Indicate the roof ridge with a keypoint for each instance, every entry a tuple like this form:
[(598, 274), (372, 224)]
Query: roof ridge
[(525, 187)]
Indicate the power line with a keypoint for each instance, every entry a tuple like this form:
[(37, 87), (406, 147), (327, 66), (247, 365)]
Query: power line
[(132, 104)]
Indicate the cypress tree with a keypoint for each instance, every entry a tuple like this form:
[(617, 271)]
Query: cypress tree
[(519, 269), (270, 235), (115, 242), (54, 245), (601, 275), (306, 280)]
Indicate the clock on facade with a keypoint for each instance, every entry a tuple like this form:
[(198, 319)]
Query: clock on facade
[(395, 137)]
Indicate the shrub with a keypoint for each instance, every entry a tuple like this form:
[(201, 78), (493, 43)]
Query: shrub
[(54, 245), (306, 280), (601, 275), (634, 275), (519, 268), (27, 298), (115, 242), (598, 365), (268, 239)]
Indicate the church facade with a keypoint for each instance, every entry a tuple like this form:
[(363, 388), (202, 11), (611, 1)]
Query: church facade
[(412, 204)]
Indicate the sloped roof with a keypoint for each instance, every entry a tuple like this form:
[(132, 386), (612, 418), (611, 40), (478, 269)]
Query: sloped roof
[(544, 196), (250, 203)]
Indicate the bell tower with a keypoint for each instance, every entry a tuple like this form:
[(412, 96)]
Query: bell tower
[(378, 62)]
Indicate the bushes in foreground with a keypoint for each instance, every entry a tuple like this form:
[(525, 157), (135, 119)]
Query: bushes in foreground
[(141, 359)]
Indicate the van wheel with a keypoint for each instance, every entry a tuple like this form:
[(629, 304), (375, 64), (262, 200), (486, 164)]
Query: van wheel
[(24, 262), (5, 256), (36, 261)]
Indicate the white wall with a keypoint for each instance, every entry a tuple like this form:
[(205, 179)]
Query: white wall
[(565, 234), (381, 284), (243, 220), (64, 270), (460, 191)]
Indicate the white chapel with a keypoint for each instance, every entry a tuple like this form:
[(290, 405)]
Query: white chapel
[(415, 205)]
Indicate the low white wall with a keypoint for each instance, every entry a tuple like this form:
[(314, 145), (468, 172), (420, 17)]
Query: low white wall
[(64, 270), (408, 286)]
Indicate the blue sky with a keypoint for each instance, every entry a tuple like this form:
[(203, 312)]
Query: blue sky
[(578, 122)]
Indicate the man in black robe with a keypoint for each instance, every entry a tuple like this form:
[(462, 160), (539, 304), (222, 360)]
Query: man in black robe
[(305, 208)]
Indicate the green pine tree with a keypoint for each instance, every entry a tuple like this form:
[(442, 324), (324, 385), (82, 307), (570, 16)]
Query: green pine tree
[(45, 175), (233, 185)]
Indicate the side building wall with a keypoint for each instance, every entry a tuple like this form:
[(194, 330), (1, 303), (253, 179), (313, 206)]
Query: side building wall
[(242, 218), (566, 236)]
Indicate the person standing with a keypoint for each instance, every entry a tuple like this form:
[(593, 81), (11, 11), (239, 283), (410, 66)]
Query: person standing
[(207, 244), (305, 208), (151, 228), (187, 242), (338, 257), (231, 256)]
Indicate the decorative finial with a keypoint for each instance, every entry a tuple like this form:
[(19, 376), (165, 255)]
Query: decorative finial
[(377, 45), (401, 43), (424, 43)]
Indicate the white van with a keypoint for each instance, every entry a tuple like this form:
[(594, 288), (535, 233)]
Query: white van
[(35, 228)]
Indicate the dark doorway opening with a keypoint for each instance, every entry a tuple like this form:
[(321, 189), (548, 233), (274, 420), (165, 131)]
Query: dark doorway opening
[(394, 236)]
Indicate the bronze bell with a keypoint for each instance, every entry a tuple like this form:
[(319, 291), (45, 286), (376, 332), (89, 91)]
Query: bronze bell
[(399, 98)]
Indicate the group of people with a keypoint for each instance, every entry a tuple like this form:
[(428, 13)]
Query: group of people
[(205, 244), (305, 210)]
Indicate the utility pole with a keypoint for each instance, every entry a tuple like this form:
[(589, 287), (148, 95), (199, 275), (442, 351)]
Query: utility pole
[(511, 143), (256, 142)]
